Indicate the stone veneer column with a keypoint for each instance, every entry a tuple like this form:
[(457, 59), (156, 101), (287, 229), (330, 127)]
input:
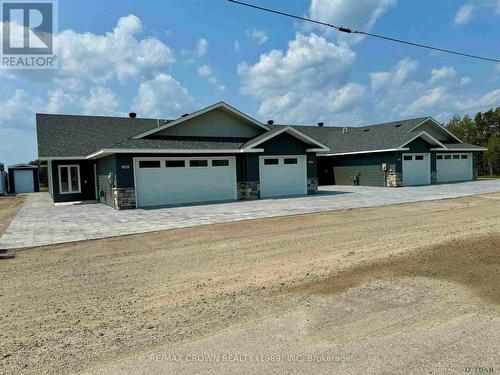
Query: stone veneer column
[(248, 190), (312, 185), (394, 179), (124, 198)]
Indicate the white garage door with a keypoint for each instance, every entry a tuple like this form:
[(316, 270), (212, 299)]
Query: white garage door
[(454, 167), (23, 181), (416, 169), (167, 181), (282, 175)]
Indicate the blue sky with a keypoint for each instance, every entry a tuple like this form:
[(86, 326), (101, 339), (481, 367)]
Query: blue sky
[(166, 58)]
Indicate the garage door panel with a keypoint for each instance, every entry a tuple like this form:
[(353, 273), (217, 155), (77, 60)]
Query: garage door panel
[(177, 185), (416, 169), (454, 167), (23, 181), (283, 178)]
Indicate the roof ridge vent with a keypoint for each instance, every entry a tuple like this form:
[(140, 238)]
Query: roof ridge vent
[(397, 125)]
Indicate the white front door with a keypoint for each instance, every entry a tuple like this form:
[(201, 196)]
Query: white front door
[(416, 169), (282, 175), (23, 181), (177, 180), (454, 167)]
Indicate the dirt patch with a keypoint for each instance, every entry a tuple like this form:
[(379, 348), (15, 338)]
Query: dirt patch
[(68, 307), (9, 207), (475, 264)]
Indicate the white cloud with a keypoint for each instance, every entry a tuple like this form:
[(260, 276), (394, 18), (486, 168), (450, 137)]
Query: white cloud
[(490, 99), (204, 71), (258, 35), (202, 47), (394, 77), (119, 54), (163, 97), (17, 110), (443, 73), (428, 101), (101, 101), (359, 15), (311, 62), (464, 14), (309, 79), (464, 81), (466, 11)]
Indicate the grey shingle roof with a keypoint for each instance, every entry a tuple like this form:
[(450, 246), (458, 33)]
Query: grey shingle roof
[(69, 135), (263, 135), (182, 144), (383, 136)]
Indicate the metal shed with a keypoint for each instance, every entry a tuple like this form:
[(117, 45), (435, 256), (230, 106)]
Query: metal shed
[(23, 178)]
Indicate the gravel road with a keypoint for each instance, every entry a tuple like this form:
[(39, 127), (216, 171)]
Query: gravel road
[(408, 288)]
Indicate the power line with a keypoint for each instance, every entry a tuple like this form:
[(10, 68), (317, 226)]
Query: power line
[(349, 31)]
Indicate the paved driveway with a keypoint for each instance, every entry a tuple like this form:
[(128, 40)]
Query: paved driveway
[(39, 222)]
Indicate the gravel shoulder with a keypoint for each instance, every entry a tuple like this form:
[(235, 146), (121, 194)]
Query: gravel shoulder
[(405, 278)]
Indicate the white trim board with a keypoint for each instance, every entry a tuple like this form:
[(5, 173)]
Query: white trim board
[(439, 125), (107, 151), (426, 136), (68, 167), (201, 112)]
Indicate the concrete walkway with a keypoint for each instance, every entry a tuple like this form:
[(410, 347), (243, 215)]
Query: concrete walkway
[(40, 222)]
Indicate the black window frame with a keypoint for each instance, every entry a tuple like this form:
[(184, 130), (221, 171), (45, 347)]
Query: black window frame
[(175, 163), (271, 161), (419, 157), (290, 161), (464, 156), (407, 157), (439, 157), (447, 157), (456, 157), (144, 164)]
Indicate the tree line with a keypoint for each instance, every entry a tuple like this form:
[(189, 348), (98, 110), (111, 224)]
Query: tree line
[(482, 130)]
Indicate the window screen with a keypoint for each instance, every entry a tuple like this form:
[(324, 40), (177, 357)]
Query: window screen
[(271, 161), (291, 161), (419, 157), (408, 157), (464, 156), (439, 157), (456, 157)]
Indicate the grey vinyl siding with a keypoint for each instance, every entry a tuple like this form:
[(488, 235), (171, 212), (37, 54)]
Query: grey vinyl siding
[(86, 180), (366, 165)]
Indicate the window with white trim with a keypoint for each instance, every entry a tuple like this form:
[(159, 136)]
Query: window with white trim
[(69, 179)]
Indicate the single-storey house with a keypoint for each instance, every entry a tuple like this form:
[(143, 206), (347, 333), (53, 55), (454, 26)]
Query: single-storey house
[(220, 154), (215, 154), (417, 151)]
